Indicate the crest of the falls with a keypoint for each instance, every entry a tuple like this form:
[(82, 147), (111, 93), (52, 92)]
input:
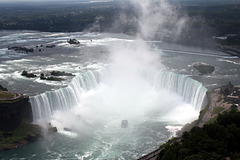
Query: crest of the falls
[(63, 99), (44, 105), (192, 91)]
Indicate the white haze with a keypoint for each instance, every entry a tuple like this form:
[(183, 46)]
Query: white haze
[(158, 19), (127, 91)]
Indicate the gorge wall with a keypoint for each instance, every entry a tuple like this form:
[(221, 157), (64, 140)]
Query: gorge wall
[(13, 112)]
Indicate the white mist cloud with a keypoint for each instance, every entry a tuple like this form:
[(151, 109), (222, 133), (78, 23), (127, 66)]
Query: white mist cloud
[(158, 19), (126, 91)]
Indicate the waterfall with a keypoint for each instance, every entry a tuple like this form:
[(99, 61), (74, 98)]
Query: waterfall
[(192, 91), (44, 105)]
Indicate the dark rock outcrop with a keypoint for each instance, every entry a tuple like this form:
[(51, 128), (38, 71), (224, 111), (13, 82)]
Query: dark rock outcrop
[(58, 73), (50, 46), (51, 78), (29, 75), (21, 49), (73, 41), (203, 68)]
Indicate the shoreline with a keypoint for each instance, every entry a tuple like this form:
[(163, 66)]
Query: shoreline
[(218, 103), (216, 100)]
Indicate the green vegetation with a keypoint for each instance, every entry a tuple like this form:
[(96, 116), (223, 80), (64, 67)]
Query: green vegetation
[(223, 18), (206, 21), (6, 95), (217, 110), (56, 17), (12, 101), (24, 133), (214, 141)]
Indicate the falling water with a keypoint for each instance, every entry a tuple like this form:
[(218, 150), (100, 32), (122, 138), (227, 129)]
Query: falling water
[(190, 90), (45, 104)]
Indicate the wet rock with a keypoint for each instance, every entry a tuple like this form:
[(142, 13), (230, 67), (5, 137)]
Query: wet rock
[(52, 78), (73, 41), (51, 46), (21, 49), (58, 73), (203, 68), (29, 75)]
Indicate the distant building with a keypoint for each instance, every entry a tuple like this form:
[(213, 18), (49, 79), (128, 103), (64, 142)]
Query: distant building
[(231, 93)]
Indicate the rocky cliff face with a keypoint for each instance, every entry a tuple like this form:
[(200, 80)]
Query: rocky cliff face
[(13, 112), (16, 128)]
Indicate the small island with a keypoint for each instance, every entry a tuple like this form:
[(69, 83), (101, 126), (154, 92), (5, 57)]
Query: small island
[(21, 49), (28, 75), (59, 73), (73, 41), (55, 75), (51, 78), (203, 68)]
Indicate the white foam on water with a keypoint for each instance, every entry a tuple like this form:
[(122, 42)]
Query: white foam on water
[(174, 130), (68, 133)]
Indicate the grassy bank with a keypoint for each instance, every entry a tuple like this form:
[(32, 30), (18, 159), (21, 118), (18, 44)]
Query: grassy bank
[(6, 95), (23, 134)]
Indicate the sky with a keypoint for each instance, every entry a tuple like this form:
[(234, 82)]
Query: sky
[(51, 0), (79, 1), (101, 0)]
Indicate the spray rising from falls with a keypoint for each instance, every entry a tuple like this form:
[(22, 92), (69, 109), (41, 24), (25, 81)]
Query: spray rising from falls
[(126, 84), (45, 105)]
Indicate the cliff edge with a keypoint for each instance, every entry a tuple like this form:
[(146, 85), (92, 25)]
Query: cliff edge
[(15, 121), (13, 110)]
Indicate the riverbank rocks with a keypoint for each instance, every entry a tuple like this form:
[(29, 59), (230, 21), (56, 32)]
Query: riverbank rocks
[(203, 68)]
